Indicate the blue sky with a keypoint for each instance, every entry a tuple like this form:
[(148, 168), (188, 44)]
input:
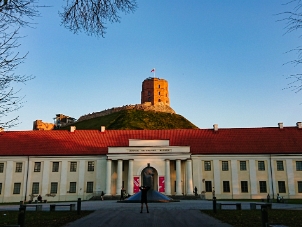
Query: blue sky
[(224, 61)]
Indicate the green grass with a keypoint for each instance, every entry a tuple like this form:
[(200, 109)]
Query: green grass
[(136, 119), (42, 218), (289, 201), (252, 218)]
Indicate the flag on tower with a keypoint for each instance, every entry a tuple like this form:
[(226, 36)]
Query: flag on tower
[(153, 70)]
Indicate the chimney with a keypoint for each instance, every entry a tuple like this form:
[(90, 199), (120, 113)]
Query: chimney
[(102, 128), (299, 124), (215, 127), (72, 128), (280, 124)]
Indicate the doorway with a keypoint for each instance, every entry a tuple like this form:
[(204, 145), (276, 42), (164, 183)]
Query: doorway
[(149, 178)]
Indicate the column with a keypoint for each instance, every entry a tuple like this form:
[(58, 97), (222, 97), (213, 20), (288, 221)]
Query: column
[(64, 184), (178, 177), (98, 167), (108, 177), (235, 183), (130, 177), (217, 183), (271, 184), (8, 183), (290, 177), (27, 182), (197, 174), (82, 185), (189, 182), (167, 177), (119, 176), (45, 178), (253, 178)]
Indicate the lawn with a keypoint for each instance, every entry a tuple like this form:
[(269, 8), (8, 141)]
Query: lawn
[(252, 218), (41, 218)]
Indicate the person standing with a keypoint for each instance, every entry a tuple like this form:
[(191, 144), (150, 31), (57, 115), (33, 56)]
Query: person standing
[(195, 191), (144, 199), (278, 198), (122, 194), (102, 195), (268, 198)]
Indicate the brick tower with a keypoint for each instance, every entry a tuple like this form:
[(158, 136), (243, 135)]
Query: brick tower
[(155, 90)]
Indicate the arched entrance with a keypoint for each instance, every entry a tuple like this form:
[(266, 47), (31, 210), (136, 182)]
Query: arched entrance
[(149, 177)]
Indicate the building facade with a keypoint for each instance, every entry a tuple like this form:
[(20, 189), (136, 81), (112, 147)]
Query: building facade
[(63, 165)]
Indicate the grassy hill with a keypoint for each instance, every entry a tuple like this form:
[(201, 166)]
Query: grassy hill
[(137, 119)]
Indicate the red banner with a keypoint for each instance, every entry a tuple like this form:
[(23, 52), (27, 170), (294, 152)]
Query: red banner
[(161, 184), (135, 184)]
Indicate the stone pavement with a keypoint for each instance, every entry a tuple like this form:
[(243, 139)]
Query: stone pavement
[(177, 214)]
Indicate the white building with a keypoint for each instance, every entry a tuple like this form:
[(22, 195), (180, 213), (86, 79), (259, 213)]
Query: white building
[(236, 163)]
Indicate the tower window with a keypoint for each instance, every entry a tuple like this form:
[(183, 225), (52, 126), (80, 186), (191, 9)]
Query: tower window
[(159, 100), (159, 86), (158, 93)]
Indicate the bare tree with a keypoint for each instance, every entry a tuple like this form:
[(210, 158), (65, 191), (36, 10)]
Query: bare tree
[(91, 16), (13, 15), (293, 20)]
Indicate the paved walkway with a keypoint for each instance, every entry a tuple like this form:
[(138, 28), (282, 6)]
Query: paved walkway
[(176, 214)]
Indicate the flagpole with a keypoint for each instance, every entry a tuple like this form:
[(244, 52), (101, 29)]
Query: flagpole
[(153, 70)]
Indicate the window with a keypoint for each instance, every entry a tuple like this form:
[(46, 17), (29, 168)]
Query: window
[(299, 186), (299, 165), (89, 188), (225, 165), (90, 166), (262, 186), (35, 189), (148, 92), (261, 165), (73, 167), (159, 100), (37, 167), (0, 188), (158, 86), (226, 186), (73, 187), (208, 186), (207, 165), (18, 167), (280, 166), (54, 187), (244, 186), (17, 188), (242, 165), (159, 93), (281, 186), (55, 167), (1, 167)]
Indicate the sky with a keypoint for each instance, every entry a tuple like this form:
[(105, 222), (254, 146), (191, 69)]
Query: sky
[(224, 61)]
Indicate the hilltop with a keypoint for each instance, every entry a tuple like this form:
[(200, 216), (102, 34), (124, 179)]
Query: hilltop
[(136, 119)]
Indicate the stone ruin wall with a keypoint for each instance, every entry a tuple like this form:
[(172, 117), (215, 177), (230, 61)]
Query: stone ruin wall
[(147, 106)]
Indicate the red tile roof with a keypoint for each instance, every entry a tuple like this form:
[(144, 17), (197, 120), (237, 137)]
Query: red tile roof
[(201, 141)]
